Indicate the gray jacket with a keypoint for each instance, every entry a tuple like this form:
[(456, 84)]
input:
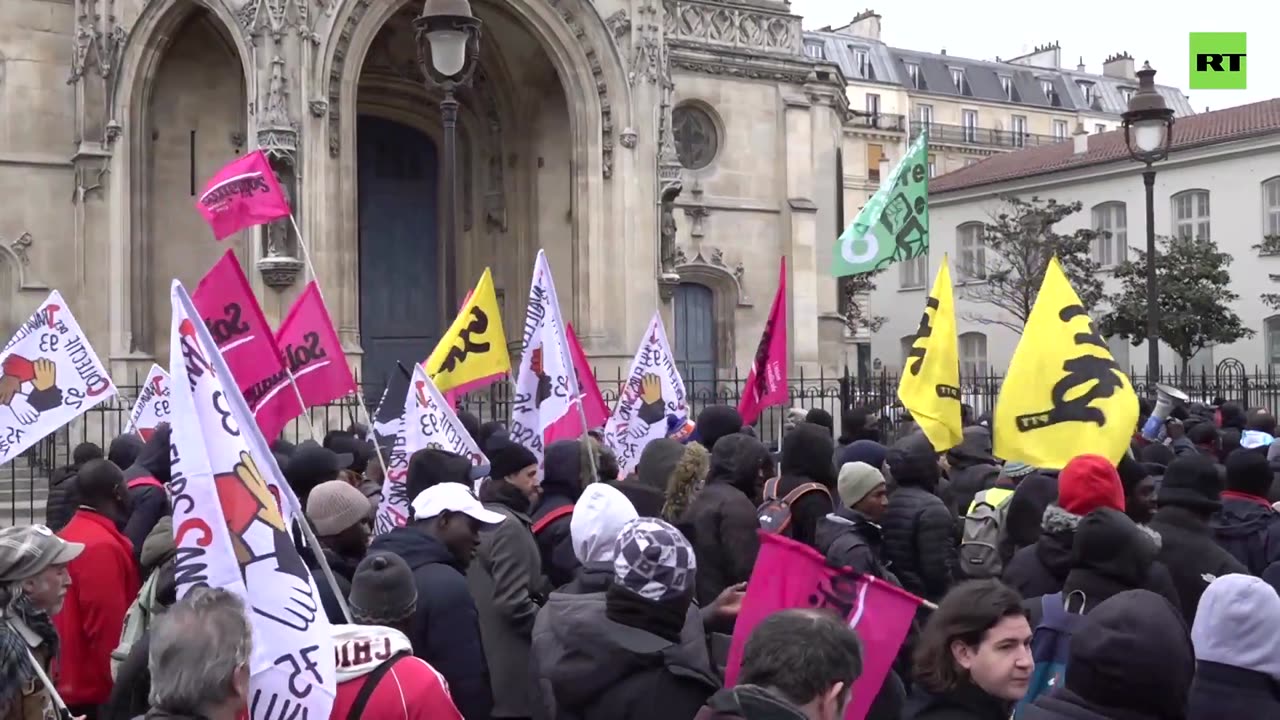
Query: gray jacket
[(507, 583)]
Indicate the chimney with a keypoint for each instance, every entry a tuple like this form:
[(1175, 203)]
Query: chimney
[(944, 51), (865, 24), (1081, 139), (1080, 65), (1119, 66)]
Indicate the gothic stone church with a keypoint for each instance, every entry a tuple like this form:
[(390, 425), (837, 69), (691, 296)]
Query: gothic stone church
[(664, 153)]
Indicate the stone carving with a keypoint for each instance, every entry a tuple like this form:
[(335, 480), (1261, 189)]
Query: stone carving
[(20, 247), (646, 50), (279, 238), (628, 138), (797, 75), (338, 70), (318, 108), (97, 41), (697, 211), (745, 28), (618, 23), (667, 233), (277, 95), (277, 18), (708, 264), (19, 252)]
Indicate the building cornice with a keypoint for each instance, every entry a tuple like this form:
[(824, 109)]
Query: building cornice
[(712, 60)]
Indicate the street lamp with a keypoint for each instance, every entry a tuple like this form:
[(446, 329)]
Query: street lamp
[(448, 40), (1148, 129)]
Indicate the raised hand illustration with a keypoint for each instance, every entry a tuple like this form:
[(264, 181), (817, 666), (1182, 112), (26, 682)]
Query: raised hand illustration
[(652, 406)]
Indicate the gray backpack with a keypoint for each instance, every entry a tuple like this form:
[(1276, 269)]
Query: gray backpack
[(136, 621), (983, 530)]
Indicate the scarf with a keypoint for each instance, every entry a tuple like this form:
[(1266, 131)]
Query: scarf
[(15, 668), (664, 618)]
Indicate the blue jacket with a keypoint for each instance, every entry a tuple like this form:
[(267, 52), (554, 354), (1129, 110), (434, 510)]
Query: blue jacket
[(446, 625)]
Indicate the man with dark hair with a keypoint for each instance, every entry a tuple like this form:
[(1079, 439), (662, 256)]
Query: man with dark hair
[(798, 664), (818, 416), (63, 501), (1247, 526)]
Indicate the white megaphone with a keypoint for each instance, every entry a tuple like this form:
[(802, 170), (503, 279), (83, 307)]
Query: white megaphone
[(1166, 396)]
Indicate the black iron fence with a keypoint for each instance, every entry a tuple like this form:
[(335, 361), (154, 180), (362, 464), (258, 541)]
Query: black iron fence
[(24, 481)]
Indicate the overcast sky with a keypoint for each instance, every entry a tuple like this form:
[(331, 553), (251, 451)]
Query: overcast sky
[(1009, 28)]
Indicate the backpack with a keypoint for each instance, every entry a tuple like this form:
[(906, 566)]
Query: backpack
[(136, 621), (145, 481), (551, 517), (775, 513), (1050, 646), (979, 553)]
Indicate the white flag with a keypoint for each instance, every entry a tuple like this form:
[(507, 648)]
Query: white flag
[(232, 513), (388, 434), (544, 410), (49, 376), (430, 422), (654, 392), (153, 406)]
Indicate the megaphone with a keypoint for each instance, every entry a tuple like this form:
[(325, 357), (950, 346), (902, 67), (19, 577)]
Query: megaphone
[(1166, 397)]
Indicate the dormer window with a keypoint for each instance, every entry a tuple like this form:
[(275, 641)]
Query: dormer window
[(1087, 89), (913, 72), (960, 81), (862, 64), (1006, 84), (815, 50)]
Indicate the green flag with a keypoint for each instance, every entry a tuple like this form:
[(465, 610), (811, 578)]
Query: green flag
[(894, 224)]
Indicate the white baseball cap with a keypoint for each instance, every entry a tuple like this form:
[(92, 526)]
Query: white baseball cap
[(452, 497)]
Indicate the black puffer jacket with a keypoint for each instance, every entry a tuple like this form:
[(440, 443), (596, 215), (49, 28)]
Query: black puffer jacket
[(1193, 558), (148, 501), (1248, 528), (721, 521), (63, 498), (848, 539), (972, 469), (564, 476), (807, 450), (647, 489)]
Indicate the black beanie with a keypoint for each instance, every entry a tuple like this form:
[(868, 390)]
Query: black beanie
[(383, 591), (912, 461), (508, 458), (1193, 482), (1249, 472), (714, 422)]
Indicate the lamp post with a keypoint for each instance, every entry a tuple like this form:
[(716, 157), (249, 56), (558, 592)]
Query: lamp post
[(448, 40), (1148, 128)]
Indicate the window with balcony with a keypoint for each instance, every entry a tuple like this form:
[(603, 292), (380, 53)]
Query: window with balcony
[(913, 273), (1271, 206), (1060, 129), (874, 154), (1111, 247), (873, 104), (973, 354), (1019, 130), (917, 79), (969, 120), (1191, 214), (924, 113), (960, 81), (972, 252), (815, 50), (862, 65), (1006, 84)]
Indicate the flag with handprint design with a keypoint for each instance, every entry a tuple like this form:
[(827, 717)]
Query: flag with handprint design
[(152, 406), (49, 376), (654, 393), (430, 422), (232, 519)]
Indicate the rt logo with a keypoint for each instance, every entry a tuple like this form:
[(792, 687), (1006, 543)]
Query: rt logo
[(1218, 61)]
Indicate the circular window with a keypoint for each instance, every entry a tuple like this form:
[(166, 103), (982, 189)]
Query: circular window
[(695, 135)]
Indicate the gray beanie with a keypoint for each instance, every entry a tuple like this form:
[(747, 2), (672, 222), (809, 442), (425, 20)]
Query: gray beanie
[(383, 590)]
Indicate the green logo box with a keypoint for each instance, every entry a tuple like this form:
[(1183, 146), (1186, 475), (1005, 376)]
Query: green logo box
[(1218, 61)]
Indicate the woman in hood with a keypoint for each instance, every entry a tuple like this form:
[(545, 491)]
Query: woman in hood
[(600, 514), (807, 450), (686, 481), (1237, 651)]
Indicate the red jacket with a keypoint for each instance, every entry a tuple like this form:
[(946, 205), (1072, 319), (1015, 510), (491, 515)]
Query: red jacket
[(104, 583), (410, 690)]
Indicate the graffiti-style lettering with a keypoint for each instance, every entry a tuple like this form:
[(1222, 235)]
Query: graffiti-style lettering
[(241, 186), (300, 356), (302, 662), (478, 325), (1089, 378), (915, 359), (228, 327)]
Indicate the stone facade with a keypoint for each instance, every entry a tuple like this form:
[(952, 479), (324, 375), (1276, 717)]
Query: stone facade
[(641, 143)]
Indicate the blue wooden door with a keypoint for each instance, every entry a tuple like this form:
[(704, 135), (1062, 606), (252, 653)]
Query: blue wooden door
[(399, 253), (695, 339)]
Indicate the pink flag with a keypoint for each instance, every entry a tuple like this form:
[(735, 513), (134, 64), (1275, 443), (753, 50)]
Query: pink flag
[(311, 347), (593, 405), (230, 310), (242, 194), (789, 574), (767, 382)]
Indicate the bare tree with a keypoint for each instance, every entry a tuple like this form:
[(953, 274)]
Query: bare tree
[(854, 290)]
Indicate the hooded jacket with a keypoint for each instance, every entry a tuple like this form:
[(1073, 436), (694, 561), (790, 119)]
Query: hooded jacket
[(1248, 528), (919, 531), (1237, 651), (721, 522), (409, 690), (124, 450), (749, 702), (588, 667), (148, 501), (593, 531), (1192, 556), (647, 489), (806, 458), (848, 539), (564, 475), (446, 624), (1129, 660), (972, 469)]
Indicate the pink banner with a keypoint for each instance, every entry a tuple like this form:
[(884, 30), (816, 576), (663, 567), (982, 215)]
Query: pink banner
[(789, 574), (242, 194), (767, 381), (314, 353), (230, 310), (593, 405)]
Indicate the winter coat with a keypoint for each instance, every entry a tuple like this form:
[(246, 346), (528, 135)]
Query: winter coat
[(1248, 528), (124, 450), (1237, 652), (920, 541), (63, 497), (1193, 558), (806, 458), (1032, 496), (588, 667), (966, 702), (410, 690), (848, 539), (647, 489), (563, 478), (972, 469), (721, 522), (446, 625), (148, 501), (506, 581), (749, 702), (26, 698), (104, 583), (343, 571)]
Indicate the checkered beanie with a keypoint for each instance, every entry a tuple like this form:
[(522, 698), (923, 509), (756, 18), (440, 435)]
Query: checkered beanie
[(654, 560)]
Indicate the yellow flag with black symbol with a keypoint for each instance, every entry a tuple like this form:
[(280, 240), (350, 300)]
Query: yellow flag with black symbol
[(930, 386), (1064, 394), (473, 352)]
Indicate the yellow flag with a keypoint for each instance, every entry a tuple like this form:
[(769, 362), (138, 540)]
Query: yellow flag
[(930, 386), (1064, 394), (474, 349)]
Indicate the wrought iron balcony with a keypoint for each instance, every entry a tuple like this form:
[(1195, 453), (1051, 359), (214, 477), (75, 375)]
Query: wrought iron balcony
[(891, 122), (980, 136)]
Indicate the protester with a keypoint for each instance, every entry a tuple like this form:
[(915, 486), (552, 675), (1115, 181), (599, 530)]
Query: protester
[(345, 442), (124, 450), (864, 451), (1247, 526), (33, 587), (1035, 492), (919, 532), (339, 513), (1129, 659), (821, 418), (797, 665), (432, 466), (506, 578), (806, 458), (971, 468), (850, 536), (146, 480), (566, 470), (1237, 651), (605, 511), (200, 658), (686, 481), (310, 465), (1188, 498), (1139, 490), (973, 659), (370, 684), (858, 424), (721, 521), (104, 583), (63, 499), (439, 543), (647, 489), (715, 422), (637, 653)]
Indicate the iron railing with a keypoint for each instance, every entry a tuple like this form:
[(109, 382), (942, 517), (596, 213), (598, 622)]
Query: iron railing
[(981, 137), (879, 121)]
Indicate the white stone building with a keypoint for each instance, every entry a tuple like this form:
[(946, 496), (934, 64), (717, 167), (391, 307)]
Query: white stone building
[(1222, 179)]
